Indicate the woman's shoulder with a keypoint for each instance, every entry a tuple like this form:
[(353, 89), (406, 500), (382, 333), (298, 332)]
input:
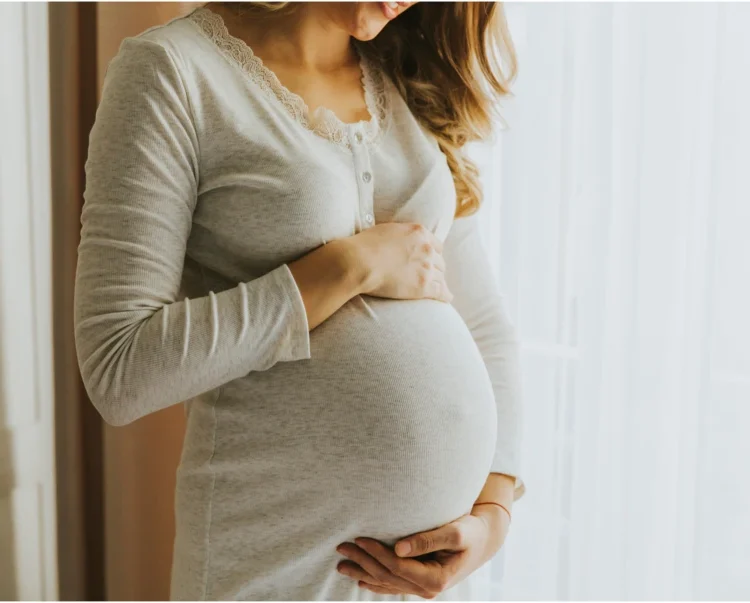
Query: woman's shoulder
[(177, 45)]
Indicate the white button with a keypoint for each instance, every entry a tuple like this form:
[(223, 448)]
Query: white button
[(366, 176), (358, 137), (369, 218)]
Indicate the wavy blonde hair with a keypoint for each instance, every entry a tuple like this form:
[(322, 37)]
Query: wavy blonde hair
[(452, 62)]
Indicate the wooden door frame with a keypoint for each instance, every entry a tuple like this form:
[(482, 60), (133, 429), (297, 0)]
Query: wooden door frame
[(79, 451)]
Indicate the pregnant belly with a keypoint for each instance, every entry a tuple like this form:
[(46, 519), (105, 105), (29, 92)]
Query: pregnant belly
[(389, 426)]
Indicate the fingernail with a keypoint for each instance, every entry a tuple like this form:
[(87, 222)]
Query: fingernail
[(403, 548), (360, 542)]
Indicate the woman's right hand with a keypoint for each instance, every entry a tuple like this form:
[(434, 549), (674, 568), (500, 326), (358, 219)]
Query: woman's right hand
[(400, 261), (393, 260)]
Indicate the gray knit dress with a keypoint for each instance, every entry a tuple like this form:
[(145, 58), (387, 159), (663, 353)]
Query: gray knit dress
[(205, 178)]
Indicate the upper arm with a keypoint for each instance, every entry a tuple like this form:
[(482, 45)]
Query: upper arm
[(469, 276), (477, 298), (141, 189)]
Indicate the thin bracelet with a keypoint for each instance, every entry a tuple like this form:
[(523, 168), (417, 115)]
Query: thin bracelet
[(503, 507)]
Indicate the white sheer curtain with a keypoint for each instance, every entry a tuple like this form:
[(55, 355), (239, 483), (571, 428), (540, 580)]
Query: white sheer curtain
[(618, 220)]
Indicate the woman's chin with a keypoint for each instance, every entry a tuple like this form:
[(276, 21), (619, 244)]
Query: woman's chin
[(389, 9), (369, 21)]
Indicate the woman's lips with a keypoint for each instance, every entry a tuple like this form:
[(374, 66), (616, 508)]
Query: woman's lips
[(390, 9)]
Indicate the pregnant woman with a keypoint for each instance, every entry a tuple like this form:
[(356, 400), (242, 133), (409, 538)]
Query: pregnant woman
[(278, 230)]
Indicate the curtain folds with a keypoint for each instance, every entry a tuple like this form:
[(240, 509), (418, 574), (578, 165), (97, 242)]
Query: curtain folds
[(617, 218)]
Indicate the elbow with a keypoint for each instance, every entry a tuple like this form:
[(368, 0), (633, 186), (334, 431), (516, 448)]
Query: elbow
[(118, 398), (115, 409), (119, 403), (115, 416)]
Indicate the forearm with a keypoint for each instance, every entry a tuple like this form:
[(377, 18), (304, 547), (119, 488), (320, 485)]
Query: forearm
[(498, 488), (327, 278), (481, 305), (136, 360)]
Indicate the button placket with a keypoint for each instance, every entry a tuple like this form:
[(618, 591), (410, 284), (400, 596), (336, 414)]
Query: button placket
[(364, 176)]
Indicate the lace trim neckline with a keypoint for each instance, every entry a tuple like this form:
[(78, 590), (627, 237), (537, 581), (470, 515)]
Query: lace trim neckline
[(323, 122)]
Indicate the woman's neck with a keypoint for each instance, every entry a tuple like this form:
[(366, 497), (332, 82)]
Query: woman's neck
[(307, 37)]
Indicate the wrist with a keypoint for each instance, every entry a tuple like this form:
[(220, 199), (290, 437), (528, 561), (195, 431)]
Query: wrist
[(497, 522), (356, 268)]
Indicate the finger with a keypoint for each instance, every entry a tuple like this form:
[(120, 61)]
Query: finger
[(448, 537), (438, 261), (427, 235), (374, 568), (423, 575), (445, 294), (351, 569), (437, 289), (435, 241)]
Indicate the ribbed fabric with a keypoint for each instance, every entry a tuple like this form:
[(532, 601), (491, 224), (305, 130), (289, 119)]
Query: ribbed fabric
[(202, 184)]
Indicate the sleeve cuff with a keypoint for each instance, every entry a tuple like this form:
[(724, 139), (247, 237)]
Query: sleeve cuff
[(502, 466), (297, 339)]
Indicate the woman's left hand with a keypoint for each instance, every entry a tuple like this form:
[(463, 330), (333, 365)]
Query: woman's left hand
[(437, 560)]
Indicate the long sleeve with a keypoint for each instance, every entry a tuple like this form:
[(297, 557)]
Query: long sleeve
[(478, 301), (139, 348)]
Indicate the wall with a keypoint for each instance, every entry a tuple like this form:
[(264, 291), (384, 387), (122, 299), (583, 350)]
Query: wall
[(78, 432)]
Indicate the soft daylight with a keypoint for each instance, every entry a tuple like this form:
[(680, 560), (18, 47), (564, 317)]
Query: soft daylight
[(382, 301)]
